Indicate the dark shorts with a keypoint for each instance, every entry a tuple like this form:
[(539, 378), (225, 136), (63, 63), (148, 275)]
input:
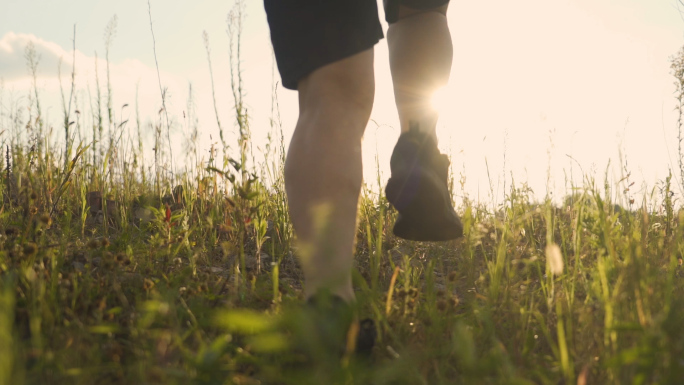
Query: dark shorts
[(308, 34)]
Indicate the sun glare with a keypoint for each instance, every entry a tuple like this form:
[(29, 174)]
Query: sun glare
[(439, 99)]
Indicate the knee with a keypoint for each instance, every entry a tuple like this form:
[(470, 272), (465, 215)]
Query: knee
[(340, 95)]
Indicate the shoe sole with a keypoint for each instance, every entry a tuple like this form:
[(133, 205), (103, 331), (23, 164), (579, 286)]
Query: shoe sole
[(425, 213)]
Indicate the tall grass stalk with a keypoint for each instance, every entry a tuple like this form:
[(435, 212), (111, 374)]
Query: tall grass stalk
[(162, 90), (153, 285)]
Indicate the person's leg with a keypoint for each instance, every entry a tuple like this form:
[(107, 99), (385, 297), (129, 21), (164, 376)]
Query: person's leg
[(323, 172), (420, 51), (420, 60)]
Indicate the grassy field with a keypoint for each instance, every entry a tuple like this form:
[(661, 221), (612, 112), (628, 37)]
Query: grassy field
[(115, 271)]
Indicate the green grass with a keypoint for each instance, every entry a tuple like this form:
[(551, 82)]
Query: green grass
[(93, 294), (112, 271)]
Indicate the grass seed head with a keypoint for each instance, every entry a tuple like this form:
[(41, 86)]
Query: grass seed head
[(45, 220), (108, 260), (30, 249), (413, 292), (148, 284), (554, 259), (454, 301), (202, 288)]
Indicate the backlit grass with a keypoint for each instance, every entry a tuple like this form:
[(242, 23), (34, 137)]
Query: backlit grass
[(114, 271)]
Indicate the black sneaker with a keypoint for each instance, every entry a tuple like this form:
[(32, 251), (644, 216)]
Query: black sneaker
[(419, 190), (327, 343), (342, 334)]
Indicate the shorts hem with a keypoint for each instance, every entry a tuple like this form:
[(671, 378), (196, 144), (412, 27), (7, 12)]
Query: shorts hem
[(291, 81)]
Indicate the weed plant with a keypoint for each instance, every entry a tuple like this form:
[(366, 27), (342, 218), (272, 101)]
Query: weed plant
[(116, 272)]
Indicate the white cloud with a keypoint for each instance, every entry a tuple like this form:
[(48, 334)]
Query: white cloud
[(13, 64), (132, 82), (127, 78), (12, 55), (124, 76)]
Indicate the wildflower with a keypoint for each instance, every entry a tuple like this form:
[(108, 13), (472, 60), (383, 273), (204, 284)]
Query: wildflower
[(554, 259)]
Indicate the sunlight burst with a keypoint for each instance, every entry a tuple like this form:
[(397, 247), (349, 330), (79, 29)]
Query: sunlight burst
[(439, 99)]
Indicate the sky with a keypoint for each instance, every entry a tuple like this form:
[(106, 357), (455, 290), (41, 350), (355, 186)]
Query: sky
[(540, 91)]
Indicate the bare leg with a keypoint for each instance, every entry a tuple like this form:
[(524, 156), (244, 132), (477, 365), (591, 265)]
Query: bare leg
[(323, 171), (420, 51)]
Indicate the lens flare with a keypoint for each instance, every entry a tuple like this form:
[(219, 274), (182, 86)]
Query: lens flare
[(439, 99)]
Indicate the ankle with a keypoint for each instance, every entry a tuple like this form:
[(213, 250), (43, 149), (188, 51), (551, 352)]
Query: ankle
[(421, 127), (346, 294)]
